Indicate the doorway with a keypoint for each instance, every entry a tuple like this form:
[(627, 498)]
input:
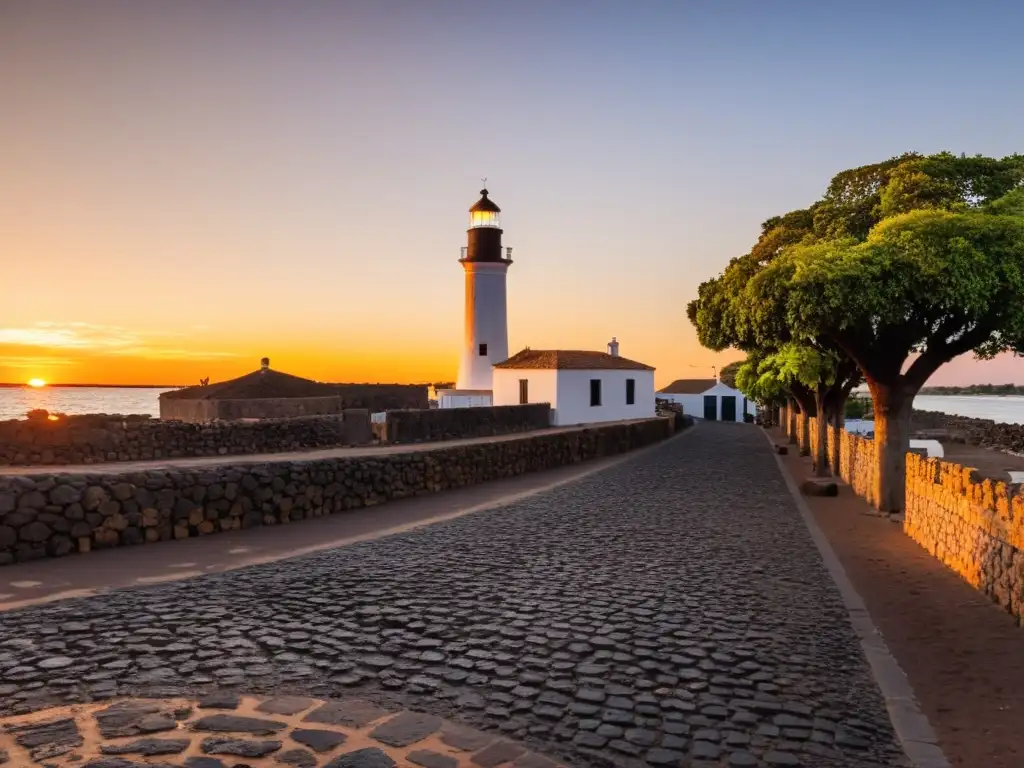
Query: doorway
[(711, 407), (728, 407)]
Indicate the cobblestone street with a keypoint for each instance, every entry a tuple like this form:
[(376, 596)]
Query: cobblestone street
[(670, 610)]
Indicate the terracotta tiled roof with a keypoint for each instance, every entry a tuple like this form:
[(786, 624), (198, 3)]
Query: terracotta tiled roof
[(571, 359), (256, 385), (688, 387)]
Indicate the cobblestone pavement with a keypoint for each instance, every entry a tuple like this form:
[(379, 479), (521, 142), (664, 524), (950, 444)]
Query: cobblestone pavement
[(225, 730), (670, 610)]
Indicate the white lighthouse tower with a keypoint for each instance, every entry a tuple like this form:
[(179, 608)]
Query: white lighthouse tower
[(486, 262)]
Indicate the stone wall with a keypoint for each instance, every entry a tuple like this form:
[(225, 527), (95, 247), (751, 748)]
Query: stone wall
[(983, 432), (383, 397), (417, 426), (54, 515), (973, 525), (101, 438)]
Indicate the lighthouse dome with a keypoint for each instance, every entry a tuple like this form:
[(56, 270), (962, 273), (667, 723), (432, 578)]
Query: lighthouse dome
[(484, 212)]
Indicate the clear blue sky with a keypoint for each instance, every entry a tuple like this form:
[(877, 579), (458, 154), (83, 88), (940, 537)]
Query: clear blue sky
[(203, 183)]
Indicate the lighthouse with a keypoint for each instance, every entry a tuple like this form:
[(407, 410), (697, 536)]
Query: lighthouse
[(485, 263)]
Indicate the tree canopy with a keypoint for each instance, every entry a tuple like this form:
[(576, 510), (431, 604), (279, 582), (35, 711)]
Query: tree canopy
[(900, 267)]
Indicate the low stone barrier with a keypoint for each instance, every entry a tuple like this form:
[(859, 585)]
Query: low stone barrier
[(417, 426), (59, 514), (973, 525), (983, 432), (96, 438)]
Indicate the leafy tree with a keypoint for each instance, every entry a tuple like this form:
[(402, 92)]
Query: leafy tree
[(900, 267), (923, 286), (728, 373)]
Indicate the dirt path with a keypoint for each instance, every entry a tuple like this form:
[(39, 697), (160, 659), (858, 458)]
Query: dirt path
[(963, 656)]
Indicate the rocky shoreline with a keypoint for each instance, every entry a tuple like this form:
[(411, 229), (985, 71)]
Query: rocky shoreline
[(984, 433)]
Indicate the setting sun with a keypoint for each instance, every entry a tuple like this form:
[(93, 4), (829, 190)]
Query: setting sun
[(36, 383)]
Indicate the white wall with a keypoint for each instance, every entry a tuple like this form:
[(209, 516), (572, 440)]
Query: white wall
[(542, 387), (693, 405), (486, 322), (573, 400), (463, 401)]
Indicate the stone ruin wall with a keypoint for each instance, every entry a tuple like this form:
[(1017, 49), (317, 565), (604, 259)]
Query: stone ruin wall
[(416, 426), (973, 525), (60, 514), (98, 438)]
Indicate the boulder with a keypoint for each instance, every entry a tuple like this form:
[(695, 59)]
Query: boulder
[(819, 488)]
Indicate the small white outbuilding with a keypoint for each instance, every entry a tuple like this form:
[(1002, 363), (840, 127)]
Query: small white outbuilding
[(582, 386), (708, 399)]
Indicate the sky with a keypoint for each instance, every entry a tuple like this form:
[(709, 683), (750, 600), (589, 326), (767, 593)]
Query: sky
[(189, 186)]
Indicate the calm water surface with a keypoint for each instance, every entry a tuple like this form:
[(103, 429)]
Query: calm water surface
[(15, 403)]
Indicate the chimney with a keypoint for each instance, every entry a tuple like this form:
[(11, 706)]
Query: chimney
[(265, 364), (613, 347)]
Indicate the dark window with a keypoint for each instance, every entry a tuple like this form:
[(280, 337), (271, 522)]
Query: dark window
[(595, 392), (483, 350), (630, 391), (524, 391)]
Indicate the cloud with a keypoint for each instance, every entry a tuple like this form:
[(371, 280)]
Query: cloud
[(101, 339), (20, 361)]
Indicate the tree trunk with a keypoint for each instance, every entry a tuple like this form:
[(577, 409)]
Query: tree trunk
[(820, 435), (892, 406), (838, 421), (791, 421)]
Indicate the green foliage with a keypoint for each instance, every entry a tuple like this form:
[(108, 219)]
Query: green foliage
[(856, 408), (728, 373)]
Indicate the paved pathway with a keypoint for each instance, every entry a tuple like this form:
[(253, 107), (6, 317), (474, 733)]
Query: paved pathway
[(671, 609)]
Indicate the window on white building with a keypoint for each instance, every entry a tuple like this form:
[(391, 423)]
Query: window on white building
[(524, 391), (483, 350), (630, 391), (595, 392)]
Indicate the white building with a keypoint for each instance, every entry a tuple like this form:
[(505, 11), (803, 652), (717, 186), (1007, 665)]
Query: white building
[(708, 399), (581, 386)]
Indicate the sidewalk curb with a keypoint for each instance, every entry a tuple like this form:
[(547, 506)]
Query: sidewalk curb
[(913, 730)]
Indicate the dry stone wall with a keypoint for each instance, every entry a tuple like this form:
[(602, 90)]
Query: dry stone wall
[(973, 525), (59, 514), (98, 438), (417, 426)]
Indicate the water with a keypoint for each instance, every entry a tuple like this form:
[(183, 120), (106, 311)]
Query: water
[(1008, 410), (15, 402)]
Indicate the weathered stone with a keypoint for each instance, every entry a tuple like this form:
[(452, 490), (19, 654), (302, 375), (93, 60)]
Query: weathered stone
[(238, 724), (465, 739), (285, 705), (497, 753), (204, 762), (353, 713), (48, 738), (406, 728), (318, 740), (147, 747), (819, 488), (371, 757), (214, 745), (429, 759), (300, 758)]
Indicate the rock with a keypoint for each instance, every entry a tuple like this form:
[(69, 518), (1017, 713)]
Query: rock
[(782, 450), (48, 738), (93, 497), (497, 753), (406, 728), (55, 662), (429, 759), (64, 495), (371, 757), (215, 745), (220, 700), (8, 537), (238, 724), (318, 740), (147, 747), (36, 532), (285, 705), (819, 488), (353, 713), (300, 758)]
